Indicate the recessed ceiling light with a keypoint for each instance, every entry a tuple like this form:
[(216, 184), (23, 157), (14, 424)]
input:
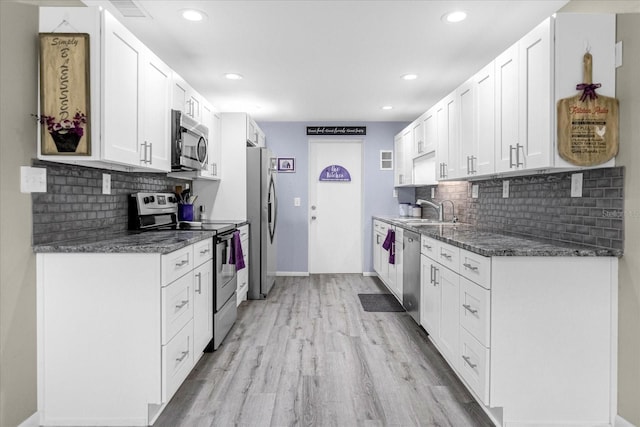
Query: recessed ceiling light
[(387, 107), (454, 17), (193, 15), (409, 77), (233, 76)]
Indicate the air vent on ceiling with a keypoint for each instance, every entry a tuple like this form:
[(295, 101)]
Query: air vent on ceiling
[(128, 8)]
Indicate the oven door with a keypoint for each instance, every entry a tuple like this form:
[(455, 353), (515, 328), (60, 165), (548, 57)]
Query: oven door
[(226, 279)]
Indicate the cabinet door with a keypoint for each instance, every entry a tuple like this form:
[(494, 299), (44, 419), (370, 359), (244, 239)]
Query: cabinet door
[(398, 149), (447, 138), (179, 93), (536, 107), (418, 138), (202, 307), (207, 120), (449, 314), (507, 107), (429, 298), (377, 255), (485, 117), (215, 146), (465, 98), (430, 129), (121, 124), (156, 103), (407, 153)]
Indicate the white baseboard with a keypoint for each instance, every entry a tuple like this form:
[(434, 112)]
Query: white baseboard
[(292, 273), (621, 422), (32, 421), (369, 273)]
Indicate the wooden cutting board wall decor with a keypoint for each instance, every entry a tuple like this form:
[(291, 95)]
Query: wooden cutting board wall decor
[(588, 123)]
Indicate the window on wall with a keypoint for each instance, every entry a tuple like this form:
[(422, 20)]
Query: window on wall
[(386, 160)]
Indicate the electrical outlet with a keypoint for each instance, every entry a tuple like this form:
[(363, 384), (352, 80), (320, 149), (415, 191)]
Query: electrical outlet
[(106, 183), (433, 192), (296, 201), (505, 189), (474, 191), (33, 180), (576, 185)]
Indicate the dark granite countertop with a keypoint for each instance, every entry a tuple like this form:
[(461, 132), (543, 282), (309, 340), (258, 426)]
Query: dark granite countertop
[(161, 242), (494, 243)]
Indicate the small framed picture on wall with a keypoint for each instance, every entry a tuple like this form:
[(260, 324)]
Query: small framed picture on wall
[(286, 164)]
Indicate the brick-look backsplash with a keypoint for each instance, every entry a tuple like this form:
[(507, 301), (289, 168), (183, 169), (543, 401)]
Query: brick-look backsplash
[(74, 206), (542, 206)]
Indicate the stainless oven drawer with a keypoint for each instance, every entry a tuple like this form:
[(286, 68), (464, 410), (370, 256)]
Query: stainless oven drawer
[(224, 291), (223, 320)]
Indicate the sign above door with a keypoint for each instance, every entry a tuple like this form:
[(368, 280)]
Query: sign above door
[(335, 173), (336, 130)]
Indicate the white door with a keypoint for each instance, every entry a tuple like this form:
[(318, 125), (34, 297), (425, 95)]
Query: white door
[(335, 207)]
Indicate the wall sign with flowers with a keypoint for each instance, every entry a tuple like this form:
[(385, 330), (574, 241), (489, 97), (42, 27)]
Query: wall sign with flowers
[(65, 113)]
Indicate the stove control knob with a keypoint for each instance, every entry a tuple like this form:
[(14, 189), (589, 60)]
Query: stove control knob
[(152, 199), (146, 200)]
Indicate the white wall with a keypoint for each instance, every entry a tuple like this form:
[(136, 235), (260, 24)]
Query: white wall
[(18, 86)]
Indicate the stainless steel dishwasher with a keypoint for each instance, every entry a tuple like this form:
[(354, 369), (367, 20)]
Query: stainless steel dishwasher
[(411, 274)]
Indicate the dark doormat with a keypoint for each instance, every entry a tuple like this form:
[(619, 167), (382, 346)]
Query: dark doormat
[(379, 302)]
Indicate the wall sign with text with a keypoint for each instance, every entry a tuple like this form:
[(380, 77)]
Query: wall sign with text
[(337, 130), (335, 173)]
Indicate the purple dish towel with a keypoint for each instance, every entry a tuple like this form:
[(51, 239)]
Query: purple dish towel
[(235, 256), (389, 245)]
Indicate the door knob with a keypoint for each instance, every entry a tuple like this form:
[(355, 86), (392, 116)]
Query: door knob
[(313, 217), (313, 208)]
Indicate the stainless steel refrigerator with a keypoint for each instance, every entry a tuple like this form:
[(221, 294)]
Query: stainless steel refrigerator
[(262, 214)]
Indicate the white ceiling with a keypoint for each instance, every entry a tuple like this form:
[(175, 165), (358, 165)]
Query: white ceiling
[(330, 60)]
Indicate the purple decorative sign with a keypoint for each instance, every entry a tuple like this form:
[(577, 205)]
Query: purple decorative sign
[(335, 173)]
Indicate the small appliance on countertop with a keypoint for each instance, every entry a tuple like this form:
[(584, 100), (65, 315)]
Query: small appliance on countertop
[(159, 211)]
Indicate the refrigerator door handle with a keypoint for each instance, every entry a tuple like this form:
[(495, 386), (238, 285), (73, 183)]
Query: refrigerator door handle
[(272, 208)]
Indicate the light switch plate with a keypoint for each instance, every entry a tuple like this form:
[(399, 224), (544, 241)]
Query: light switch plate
[(474, 191), (576, 185), (106, 183), (33, 180), (296, 201), (433, 192), (505, 189)]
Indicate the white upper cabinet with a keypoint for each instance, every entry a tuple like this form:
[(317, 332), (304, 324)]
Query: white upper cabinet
[(447, 151), (430, 127), (465, 97), (156, 97), (129, 92), (418, 138), (524, 102), (255, 135), (186, 99)]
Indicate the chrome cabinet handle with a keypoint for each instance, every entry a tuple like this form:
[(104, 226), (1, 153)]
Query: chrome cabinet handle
[(518, 162), (470, 267), (182, 304), (204, 251), (468, 360), (469, 309), (183, 262), (183, 356), (510, 156), (199, 289), (447, 256), (426, 246), (150, 153), (432, 275)]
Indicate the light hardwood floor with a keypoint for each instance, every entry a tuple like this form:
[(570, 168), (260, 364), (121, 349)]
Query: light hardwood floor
[(309, 355)]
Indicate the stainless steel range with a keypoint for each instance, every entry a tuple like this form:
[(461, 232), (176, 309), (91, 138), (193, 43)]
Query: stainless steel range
[(159, 211)]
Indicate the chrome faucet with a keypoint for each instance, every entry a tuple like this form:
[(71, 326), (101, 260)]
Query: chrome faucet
[(439, 207)]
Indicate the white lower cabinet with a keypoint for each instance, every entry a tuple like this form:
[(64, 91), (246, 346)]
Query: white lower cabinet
[(243, 275), (533, 338), (119, 332), (390, 274)]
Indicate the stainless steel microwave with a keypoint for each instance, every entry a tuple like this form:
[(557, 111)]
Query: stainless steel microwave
[(189, 143)]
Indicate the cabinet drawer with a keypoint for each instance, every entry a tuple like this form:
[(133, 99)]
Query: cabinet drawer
[(475, 310), (428, 246), (476, 268), (177, 361), (244, 232), (474, 365), (176, 263), (448, 256), (202, 251), (177, 306)]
